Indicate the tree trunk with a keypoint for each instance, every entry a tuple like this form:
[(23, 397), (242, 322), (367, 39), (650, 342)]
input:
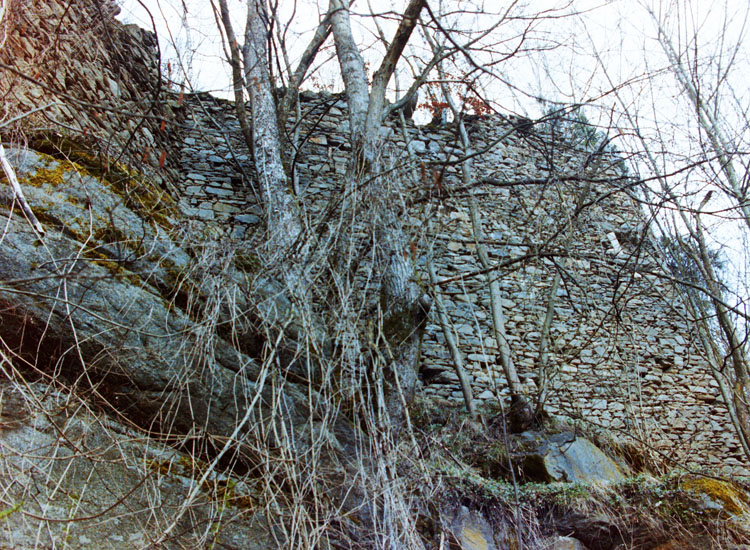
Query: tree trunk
[(238, 83), (520, 411), (284, 226), (403, 304), (735, 350), (458, 362)]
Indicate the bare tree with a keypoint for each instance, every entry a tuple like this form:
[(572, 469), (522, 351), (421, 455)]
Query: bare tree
[(335, 312), (691, 154), (361, 247), (705, 81)]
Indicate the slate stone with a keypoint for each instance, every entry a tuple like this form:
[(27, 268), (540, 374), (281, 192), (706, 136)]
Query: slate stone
[(247, 218), (563, 457)]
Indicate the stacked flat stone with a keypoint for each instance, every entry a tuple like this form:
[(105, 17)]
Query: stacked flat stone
[(622, 355)]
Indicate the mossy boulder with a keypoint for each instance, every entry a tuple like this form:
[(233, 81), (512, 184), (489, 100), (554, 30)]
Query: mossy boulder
[(720, 496)]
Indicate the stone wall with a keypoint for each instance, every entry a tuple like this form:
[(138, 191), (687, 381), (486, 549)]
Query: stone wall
[(71, 71), (622, 355), (621, 352)]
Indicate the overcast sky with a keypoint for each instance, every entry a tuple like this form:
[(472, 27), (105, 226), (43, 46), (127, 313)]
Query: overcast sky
[(197, 32)]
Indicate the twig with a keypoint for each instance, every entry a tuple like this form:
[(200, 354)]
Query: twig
[(28, 113), (11, 175)]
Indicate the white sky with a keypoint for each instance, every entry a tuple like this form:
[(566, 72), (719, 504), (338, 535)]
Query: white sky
[(209, 72), (620, 31)]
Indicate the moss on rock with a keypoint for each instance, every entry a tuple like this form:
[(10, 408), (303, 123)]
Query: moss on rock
[(732, 499), (138, 193)]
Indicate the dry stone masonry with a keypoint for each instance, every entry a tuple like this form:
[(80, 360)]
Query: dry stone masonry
[(72, 70), (622, 355)]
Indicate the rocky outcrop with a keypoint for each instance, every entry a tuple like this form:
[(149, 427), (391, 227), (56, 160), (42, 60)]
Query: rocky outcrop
[(621, 354), (472, 531), (563, 457), (96, 484), (109, 297), (720, 498)]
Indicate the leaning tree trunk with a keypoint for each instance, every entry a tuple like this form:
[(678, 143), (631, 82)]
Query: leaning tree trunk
[(238, 83), (520, 414), (450, 341), (735, 349)]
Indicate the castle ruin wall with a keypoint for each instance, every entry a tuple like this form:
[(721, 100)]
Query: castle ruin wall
[(622, 353), (622, 357)]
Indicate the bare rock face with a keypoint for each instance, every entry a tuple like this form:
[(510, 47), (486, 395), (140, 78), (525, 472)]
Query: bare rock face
[(83, 481), (108, 298), (563, 457)]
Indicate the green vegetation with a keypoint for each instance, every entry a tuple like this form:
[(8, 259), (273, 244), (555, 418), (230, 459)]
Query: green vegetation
[(8, 511)]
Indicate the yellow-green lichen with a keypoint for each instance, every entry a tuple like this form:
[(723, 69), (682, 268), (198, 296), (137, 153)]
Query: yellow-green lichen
[(91, 251), (734, 500), (225, 491), (48, 219), (110, 234), (161, 467), (46, 176), (81, 153), (115, 267), (138, 193), (53, 172), (8, 511)]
